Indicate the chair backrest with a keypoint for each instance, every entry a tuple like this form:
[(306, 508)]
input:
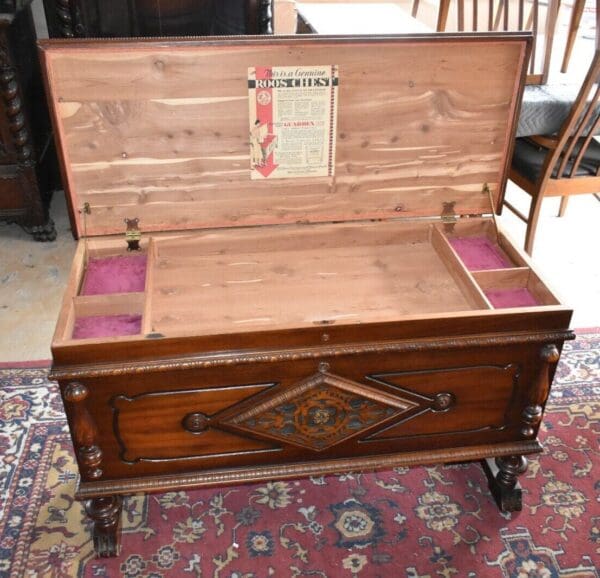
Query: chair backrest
[(504, 15), (574, 138)]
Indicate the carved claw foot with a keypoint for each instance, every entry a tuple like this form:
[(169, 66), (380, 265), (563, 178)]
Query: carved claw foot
[(502, 476), (43, 233), (106, 515)]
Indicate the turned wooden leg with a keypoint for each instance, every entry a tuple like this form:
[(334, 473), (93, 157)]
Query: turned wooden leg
[(106, 515), (502, 476)]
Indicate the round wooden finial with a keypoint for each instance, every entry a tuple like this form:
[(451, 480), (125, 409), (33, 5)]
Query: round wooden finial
[(76, 391)]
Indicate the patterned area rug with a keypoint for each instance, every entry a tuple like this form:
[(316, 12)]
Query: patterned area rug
[(415, 523)]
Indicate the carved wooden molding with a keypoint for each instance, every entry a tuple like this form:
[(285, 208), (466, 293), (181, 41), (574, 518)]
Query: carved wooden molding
[(63, 13), (221, 359), (264, 473), (83, 430)]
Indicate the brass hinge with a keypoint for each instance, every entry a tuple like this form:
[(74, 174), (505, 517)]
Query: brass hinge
[(85, 211), (133, 235), (449, 217)]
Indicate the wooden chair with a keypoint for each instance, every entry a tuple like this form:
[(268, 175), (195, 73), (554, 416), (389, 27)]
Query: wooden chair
[(503, 15), (576, 14), (564, 164)]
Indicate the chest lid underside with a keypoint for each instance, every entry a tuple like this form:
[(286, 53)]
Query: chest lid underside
[(161, 131)]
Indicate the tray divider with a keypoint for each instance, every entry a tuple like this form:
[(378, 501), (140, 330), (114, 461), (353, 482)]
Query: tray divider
[(502, 278), (111, 304), (463, 277)]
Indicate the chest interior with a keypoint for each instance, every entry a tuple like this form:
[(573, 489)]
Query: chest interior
[(159, 132)]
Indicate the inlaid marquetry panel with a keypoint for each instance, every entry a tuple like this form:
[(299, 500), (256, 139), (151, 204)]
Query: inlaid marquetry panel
[(320, 411)]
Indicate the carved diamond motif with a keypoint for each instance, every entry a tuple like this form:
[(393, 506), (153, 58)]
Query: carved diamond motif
[(320, 411)]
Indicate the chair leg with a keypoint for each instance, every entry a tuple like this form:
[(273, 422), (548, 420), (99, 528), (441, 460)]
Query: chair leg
[(532, 221), (415, 8), (563, 206), (572, 34), (443, 15)]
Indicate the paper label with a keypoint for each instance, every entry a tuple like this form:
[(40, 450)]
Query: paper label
[(293, 116)]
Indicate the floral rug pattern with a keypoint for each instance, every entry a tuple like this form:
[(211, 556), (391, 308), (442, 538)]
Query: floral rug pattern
[(424, 522)]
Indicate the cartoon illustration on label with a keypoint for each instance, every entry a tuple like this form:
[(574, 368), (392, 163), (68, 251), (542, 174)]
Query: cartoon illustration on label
[(293, 116)]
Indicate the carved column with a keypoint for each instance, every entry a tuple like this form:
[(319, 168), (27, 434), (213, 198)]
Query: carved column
[(265, 17), (38, 223), (84, 431), (65, 18), (533, 412)]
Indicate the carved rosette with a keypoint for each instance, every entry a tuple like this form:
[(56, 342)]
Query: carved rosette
[(84, 431), (13, 104)]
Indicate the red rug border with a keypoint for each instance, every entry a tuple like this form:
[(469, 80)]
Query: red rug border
[(41, 363), (38, 364)]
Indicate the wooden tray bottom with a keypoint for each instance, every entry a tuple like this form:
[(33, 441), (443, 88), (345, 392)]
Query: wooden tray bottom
[(298, 277)]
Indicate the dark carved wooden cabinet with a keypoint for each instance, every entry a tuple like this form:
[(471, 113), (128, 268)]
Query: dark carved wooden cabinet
[(222, 325), (28, 169), (126, 18)]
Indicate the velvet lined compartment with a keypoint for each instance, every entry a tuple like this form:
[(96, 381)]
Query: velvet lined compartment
[(505, 298), (479, 253), (107, 326), (121, 274)]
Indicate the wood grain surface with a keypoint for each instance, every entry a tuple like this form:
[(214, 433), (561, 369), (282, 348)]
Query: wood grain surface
[(159, 131)]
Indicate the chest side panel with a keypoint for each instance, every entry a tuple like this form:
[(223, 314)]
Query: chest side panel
[(160, 130)]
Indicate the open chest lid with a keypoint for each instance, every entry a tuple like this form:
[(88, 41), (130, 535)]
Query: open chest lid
[(187, 134)]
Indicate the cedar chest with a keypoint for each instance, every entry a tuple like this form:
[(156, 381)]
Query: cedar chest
[(289, 265)]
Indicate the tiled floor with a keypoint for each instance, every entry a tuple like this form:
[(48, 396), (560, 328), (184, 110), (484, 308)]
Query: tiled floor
[(33, 275)]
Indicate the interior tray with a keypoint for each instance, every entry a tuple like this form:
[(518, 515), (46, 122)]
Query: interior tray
[(289, 277), (479, 253), (114, 274)]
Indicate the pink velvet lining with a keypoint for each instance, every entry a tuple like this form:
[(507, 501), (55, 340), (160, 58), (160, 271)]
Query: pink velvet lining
[(504, 298), (479, 253), (124, 274), (107, 326)]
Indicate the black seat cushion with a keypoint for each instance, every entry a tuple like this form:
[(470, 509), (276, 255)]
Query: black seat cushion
[(528, 160)]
